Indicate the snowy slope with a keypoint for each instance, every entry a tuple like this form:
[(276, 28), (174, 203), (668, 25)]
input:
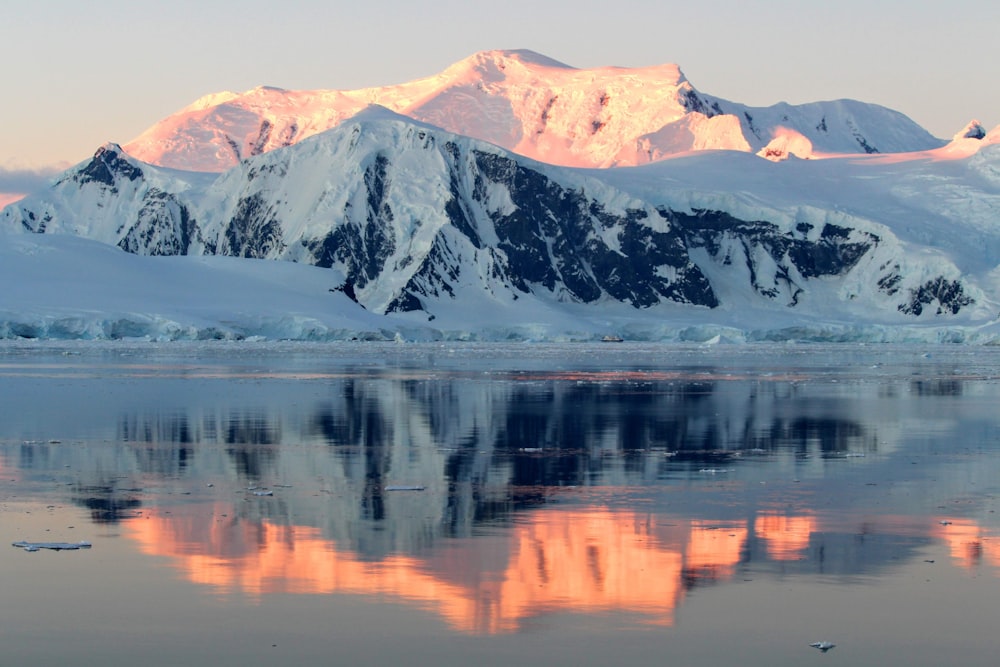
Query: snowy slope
[(536, 107), (59, 286), (403, 209), (946, 200), (63, 287), (452, 237)]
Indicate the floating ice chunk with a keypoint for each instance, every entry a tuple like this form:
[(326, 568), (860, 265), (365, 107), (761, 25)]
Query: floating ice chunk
[(823, 646), (263, 493), (404, 487), (57, 546)]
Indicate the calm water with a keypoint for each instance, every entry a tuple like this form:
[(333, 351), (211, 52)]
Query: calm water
[(366, 504)]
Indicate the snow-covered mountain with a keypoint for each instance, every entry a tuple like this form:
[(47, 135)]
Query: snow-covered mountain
[(455, 237), (536, 107)]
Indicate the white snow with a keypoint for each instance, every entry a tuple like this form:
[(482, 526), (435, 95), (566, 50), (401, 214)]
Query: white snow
[(935, 212), (64, 287), (60, 286), (532, 105)]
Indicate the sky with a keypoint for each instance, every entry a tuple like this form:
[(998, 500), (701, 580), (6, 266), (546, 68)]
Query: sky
[(77, 75)]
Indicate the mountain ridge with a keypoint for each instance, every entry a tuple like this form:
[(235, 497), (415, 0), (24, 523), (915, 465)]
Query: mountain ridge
[(431, 226), (441, 233), (534, 106)]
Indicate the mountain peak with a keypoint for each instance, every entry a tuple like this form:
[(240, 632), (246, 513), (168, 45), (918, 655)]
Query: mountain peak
[(535, 106), (109, 165), (497, 65), (376, 113), (379, 112), (525, 57), (210, 100), (109, 147)]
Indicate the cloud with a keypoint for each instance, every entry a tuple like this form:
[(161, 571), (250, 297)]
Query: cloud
[(24, 181)]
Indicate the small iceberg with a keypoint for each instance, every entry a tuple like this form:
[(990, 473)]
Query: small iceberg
[(55, 546), (404, 487), (823, 646)]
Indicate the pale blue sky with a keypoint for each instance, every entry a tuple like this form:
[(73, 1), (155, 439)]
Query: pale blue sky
[(77, 74)]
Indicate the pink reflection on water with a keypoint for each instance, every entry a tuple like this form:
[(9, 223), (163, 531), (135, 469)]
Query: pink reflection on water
[(551, 561), (583, 561), (968, 543), (787, 537)]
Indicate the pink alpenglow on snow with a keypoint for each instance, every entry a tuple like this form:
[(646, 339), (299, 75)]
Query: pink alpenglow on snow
[(534, 106)]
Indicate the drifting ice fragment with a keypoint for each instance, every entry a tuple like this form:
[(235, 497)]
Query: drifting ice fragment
[(404, 487), (823, 646), (57, 546), (263, 493)]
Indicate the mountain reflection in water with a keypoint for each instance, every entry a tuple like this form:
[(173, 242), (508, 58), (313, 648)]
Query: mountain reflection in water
[(596, 561), (541, 492), (554, 560)]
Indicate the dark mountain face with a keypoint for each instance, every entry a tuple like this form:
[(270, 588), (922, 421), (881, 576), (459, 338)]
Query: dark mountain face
[(553, 240), (792, 258), (106, 168), (556, 234), (164, 226)]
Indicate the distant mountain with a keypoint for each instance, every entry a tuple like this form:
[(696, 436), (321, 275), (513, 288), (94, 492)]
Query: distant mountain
[(536, 107), (461, 236)]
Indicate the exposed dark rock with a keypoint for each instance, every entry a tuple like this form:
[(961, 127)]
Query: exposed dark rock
[(164, 226), (108, 167), (347, 289), (834, 253), (868, 148), (949, 295), (692, 102), (889, 283), (253, 231), (263, 136), (551, 239), (545, 113), (234, 147), (750, 125), (37, 224), (404, 303), (288, 135), (360, 245)]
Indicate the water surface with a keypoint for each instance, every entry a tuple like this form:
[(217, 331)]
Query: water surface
[(538, 504)]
